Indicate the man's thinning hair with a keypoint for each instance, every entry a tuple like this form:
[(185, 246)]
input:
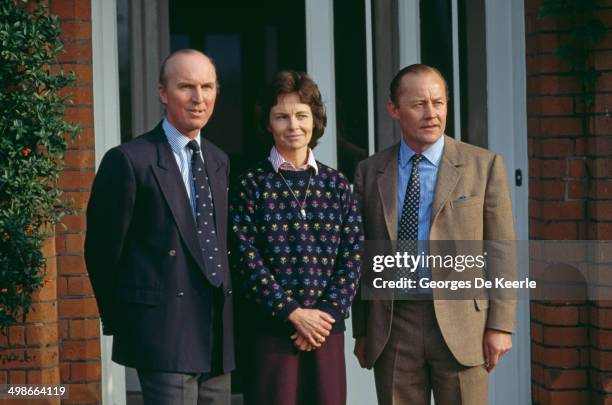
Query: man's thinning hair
[(163, 74), (416, 69)]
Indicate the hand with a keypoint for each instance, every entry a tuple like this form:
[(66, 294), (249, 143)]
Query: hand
[(495, 344), (312, 324), (360, 349), (300, 343)]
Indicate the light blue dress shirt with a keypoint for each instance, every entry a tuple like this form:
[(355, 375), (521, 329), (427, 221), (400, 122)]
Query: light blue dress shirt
[(428, 173), (178, 143)]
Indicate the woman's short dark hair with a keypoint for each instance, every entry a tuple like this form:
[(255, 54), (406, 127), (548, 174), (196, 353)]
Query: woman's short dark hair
[(287, 82)]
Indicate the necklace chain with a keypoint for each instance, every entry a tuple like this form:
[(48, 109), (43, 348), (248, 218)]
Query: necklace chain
[(302, 210)]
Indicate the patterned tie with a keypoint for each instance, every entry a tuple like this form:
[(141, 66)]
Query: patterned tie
[(408, 233), (205, 218)]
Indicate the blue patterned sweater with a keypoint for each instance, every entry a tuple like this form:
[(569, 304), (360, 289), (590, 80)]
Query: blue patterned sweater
[(285, 261)]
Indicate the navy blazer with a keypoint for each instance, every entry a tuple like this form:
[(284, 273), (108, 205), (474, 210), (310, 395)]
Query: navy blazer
[(144, 258)]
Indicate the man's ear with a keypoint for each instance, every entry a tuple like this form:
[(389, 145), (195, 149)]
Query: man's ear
[(163, 96), (392, 109)]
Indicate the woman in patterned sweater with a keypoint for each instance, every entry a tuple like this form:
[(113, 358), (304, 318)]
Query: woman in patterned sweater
[(299, 236)]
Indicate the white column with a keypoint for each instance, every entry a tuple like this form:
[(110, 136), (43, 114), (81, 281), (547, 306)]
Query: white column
[(320, 65), (107, 135)]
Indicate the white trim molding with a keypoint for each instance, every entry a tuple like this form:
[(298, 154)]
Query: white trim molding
[(105, 76), (107, 134)]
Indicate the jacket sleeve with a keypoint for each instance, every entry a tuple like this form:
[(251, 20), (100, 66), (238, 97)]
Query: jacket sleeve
[(109, 213), (359, 308), (258, 282), (340, 292), (500, 238)]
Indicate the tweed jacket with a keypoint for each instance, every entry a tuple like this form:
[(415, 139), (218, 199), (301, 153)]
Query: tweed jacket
[(471, 202)]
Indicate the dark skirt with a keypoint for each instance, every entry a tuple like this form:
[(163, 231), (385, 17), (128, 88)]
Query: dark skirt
[(279, 374)]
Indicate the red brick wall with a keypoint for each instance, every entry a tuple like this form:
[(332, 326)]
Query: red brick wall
[(78, 326), (29, 351), (570, 197), (61, 334)]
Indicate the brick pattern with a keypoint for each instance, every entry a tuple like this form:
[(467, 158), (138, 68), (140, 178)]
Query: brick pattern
[(570, 197), (78, 320), (29, 352)]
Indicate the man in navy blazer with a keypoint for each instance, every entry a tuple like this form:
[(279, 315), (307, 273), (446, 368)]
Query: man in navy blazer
[(155, 251)]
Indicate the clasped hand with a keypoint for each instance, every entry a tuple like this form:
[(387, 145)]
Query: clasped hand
[(312, 328)]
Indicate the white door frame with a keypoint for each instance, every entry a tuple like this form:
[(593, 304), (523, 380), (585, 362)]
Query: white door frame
[(507, 128), (107, 134), (320, 66)]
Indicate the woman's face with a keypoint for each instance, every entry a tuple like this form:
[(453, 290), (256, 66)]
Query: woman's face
[(291, 124)]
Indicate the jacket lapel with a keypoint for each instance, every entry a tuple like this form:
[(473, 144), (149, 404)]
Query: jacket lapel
[(169, 179), (448, 176), (387, 191)]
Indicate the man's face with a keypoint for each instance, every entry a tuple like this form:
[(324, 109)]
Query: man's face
[(420, 110), (291, 124), (190, 92)]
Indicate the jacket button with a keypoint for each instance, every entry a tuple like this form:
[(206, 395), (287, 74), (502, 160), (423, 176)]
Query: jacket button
[(229, 292), (180, 294), (229, 252), (172, 253)]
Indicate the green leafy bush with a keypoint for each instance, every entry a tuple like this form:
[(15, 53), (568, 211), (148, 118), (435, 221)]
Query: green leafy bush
[(32, 142)]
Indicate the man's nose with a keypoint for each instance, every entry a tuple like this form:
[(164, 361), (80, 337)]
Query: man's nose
[(430, 111), (197, 95), (293, 121)]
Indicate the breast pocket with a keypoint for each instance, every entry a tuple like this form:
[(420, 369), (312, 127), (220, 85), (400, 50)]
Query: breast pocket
[(466, 202), (464, 220)]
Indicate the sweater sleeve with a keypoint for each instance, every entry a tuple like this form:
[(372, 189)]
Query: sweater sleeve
[(257, 280), (341, 290)]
